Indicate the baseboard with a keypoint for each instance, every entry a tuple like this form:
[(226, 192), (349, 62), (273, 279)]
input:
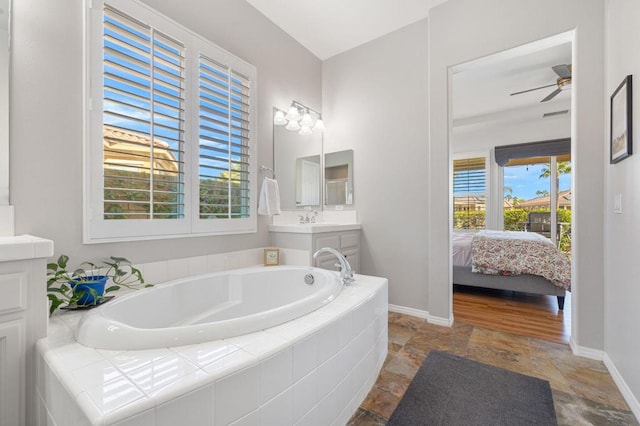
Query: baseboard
[(446, 322), (585, 352), (626, 392), (408, 311)]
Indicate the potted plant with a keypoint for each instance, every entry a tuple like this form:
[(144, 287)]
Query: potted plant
[(87, 284)]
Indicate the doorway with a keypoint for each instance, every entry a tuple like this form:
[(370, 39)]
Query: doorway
[(514, 98)]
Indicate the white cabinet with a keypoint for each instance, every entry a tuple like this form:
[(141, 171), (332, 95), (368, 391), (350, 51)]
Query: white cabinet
[(23, 320), (346, 241)]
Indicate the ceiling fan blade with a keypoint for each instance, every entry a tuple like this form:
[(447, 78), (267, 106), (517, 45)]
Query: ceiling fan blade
[(563, 71), (531, 90), (551, 95)]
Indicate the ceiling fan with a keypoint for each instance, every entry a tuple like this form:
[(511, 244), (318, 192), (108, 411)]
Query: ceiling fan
[(562, 83)]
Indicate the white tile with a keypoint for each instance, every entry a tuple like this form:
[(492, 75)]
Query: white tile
[(236, 395), (177, 268), (261, 344), (345, 330), (305, 357), (114, 394), (155, 272), (215, 263), (131, 360), (192, 409), (197, 265), (278, 411), (189, 383), (327, 409), (232, 362), (251, 419), (305, 395), (328, 377), (76, 355), (146, 418), (88, 407), (328, 338), (309, 419), (363, 315), (95, 374), (204, 354), (347, 359), (276, 374), (345, 390), (161, 373)]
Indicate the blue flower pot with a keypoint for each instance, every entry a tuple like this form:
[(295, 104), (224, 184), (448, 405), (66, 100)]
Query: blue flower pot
[(95, 283)]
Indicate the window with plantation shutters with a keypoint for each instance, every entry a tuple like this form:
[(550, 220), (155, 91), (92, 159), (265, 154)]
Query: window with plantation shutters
[(170, 149), (224, 141), (143, 121), (469, 193)]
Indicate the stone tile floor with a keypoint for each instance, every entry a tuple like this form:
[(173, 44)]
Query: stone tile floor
[(583, 391)]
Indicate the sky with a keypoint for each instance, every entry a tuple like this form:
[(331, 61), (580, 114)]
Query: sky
[(525, 181)]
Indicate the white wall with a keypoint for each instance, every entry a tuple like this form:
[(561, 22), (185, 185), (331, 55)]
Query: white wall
[(374, 100), (462, 30), (46, 114), (622, 231)]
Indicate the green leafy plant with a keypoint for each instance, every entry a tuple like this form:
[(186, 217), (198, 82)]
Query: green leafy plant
[(63, 284)]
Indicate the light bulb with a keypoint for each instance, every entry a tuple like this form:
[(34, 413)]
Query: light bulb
[(319, 125), (293, 126), (306, 119), (293, 114), (305, 130), (278, 118)]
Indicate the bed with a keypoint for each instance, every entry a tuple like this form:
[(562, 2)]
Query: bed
[(507, 260)]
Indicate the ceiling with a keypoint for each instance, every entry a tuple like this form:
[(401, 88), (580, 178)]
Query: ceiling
[(329, 27), (481, 88)]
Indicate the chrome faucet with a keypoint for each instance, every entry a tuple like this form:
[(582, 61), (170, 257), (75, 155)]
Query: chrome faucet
[(346, 274)]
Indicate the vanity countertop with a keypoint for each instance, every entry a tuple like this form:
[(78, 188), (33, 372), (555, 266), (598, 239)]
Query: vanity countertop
[(314, 228)]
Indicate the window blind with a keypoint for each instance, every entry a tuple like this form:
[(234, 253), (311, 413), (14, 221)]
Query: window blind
[(556, 147), (143, 120), (469, 193), (224, 141)]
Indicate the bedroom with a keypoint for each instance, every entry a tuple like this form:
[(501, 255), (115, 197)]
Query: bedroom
[(511, 136)]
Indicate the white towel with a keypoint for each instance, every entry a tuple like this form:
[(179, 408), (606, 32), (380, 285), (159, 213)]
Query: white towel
[(269, 202)]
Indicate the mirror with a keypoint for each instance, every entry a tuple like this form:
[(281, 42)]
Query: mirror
[(338, 178), (297, 166), (4, 101)]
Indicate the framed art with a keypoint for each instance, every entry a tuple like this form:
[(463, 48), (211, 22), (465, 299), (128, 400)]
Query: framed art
[(621, 118), (271, 257)]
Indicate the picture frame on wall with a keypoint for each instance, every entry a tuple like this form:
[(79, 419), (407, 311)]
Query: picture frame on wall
[(621, 119)]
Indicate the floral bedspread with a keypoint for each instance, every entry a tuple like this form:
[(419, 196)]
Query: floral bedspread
[(515, 253)]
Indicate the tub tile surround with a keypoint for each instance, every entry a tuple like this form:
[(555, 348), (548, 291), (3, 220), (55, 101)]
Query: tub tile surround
[(305, 371)]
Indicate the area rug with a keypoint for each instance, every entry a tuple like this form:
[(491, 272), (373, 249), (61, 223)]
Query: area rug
[(451, 390)]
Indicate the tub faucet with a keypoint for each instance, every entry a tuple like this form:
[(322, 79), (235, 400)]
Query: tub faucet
[(346, 274)]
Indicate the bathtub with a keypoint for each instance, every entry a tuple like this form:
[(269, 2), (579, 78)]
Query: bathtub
[(208, 307), (312, 368)]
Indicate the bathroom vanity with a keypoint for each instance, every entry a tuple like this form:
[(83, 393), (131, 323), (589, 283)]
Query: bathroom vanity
[(313, 236), (23, 320)]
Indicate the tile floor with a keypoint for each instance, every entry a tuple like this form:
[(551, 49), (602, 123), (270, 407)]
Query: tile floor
[(583, 391)]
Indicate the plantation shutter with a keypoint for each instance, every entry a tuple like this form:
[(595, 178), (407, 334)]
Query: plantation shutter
[(469, 193), (143, 120), (224, 141)]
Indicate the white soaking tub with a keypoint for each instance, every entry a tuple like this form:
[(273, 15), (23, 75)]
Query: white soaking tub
[(208, 307), (313, 369)]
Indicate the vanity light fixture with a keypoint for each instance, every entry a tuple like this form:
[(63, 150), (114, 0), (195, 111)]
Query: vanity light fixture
[(299, 118)]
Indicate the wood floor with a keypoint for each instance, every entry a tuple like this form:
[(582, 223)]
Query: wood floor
[(518, 313)]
